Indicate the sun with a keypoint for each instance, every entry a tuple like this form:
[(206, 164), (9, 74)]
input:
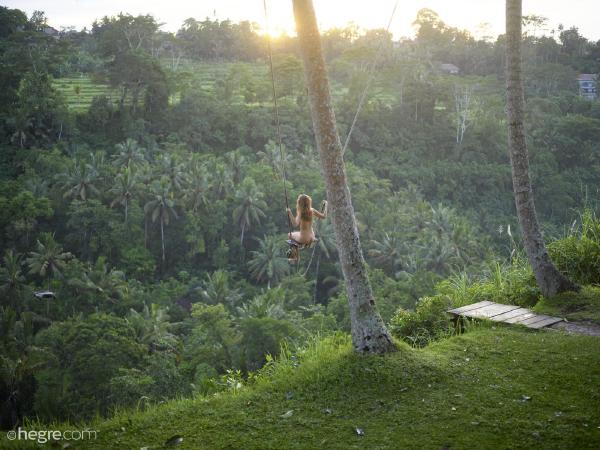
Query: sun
[(279, 20)]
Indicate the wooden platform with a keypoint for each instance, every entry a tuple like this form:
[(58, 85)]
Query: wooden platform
[(504, 313)]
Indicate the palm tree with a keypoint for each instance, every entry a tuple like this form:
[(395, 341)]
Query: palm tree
[(222, 180), (267, 304), (271, 156), (152, 327), (171, 167), (369, 334), (216, 290), (79, 181), (124, 189), (388, 252), (161, 207), (268, 262), (198, 186), (250, 207), (48, 260), (549, 279), (145, 177), (107, 283), (11, 278), (236, 162), (128, 154)]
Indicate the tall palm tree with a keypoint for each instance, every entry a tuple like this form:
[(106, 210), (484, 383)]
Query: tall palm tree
[(268, 263), (80, 181), (128, 154), (145, 177), (369, 334), (250, 207), (549, 279), (12, 279), (124, 189), (48, 260), (161, 207)]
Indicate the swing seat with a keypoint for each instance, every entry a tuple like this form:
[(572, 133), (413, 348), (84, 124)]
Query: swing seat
[(293, 251), (300, 245)]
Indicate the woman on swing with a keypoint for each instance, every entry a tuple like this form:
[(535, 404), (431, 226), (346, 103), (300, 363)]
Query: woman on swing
[(304, 219)]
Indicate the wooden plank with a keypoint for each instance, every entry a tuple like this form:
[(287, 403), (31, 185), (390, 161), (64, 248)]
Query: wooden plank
[(510, 314), (459, 311), (546, 322), (520, 318), (534, 319), (489, 311)]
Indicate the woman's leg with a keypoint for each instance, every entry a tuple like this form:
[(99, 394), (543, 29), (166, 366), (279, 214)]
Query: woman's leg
[(295, 236)]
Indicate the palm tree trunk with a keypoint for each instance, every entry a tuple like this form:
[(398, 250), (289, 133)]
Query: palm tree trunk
[(162, 239), (242, 236), (316, 279), (549, 279), (369, 334)]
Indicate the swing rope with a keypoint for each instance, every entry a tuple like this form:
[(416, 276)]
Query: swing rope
[(277, 120), (369, 79)]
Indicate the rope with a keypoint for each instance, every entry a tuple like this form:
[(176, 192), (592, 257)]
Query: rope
[(369, 80), (311, 259), (276, 107)]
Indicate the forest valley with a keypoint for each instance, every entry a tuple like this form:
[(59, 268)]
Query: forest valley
[(141, 187)]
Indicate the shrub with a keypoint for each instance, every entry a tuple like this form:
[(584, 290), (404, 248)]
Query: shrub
[(427, 323), (512, 283), (578, 254)]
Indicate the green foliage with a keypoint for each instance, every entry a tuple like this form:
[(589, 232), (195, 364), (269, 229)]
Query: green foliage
[(427, 323), (262, 336), (578, 254), (141, 180), (582, 305), (83, 356), (512, 283)]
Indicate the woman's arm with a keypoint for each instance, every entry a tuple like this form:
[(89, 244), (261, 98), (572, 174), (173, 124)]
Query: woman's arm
[(319, 214), (294, 220)]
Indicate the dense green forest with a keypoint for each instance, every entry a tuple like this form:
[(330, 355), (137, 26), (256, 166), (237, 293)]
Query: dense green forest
[(142, 187)]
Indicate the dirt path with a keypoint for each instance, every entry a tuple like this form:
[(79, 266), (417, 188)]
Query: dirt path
[(582, 327)]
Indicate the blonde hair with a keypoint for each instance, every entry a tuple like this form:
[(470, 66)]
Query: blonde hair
[(304, 207)]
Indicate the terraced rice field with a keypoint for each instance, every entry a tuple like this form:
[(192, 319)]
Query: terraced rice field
[(80, 91)]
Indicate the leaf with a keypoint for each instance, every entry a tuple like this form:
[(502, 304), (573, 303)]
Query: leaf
[(288, 414)]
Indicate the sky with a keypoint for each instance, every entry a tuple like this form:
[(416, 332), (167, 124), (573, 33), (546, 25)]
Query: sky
[(480, 17)]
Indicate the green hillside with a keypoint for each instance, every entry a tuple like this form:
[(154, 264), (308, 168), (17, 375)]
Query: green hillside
[(493, 387), (80, 91)]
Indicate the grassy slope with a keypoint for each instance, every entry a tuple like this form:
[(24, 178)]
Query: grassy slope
[(463, 392), (584, 305)]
